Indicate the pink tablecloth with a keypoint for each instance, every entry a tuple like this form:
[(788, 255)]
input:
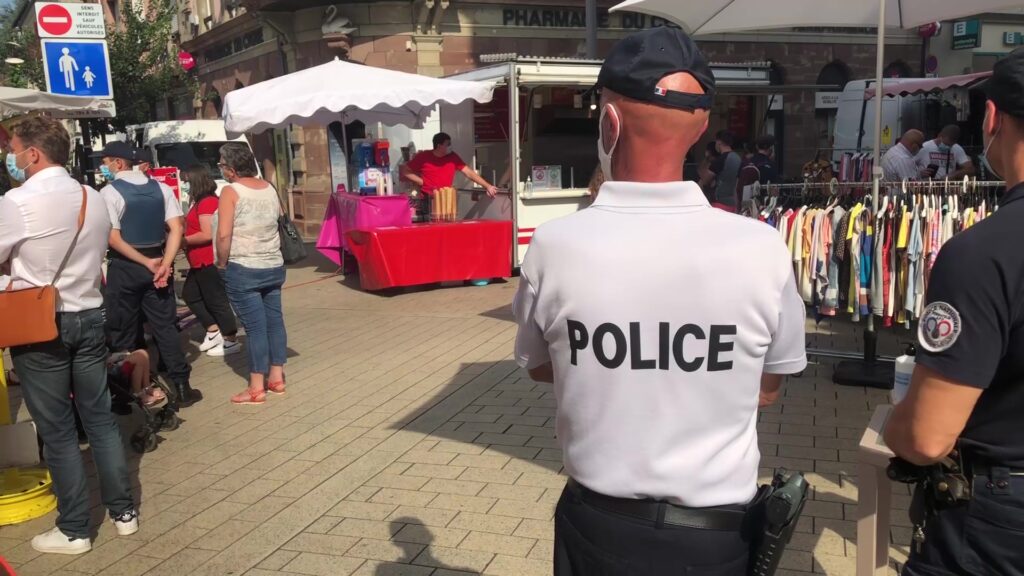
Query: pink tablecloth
[(347, 212)]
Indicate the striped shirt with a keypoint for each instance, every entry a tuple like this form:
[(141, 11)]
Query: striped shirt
[(899, 164)]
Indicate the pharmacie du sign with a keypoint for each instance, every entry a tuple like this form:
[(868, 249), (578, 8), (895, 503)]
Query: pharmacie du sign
[(60, 20)]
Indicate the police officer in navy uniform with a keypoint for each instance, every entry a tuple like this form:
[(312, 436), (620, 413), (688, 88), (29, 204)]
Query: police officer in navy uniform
[(147, 235), (663, 324), (967, 392)]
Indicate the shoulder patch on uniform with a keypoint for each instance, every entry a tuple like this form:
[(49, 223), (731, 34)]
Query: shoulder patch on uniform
[(939, 327)]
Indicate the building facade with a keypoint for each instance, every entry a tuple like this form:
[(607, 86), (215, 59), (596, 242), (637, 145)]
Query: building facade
[(237, 43)]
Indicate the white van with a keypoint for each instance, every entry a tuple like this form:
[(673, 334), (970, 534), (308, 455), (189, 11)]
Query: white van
[(184, 143), (855, 119)]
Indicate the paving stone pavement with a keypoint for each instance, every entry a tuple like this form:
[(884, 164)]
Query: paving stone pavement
[(409, 443)]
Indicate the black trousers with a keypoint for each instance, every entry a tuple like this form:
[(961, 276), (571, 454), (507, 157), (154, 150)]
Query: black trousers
[(206, 297), (592, 542), (981, 537), (130, 293)]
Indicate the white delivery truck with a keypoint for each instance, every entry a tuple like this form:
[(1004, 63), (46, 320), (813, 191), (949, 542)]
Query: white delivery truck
[(926, 104), (855, 119), (541, 146), (184, 143)]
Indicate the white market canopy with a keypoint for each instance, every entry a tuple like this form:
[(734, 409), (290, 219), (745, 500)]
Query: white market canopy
[(344, 91), (717, 16), (15, 101)]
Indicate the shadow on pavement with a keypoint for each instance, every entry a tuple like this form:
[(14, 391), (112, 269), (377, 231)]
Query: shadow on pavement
[(414, 540)]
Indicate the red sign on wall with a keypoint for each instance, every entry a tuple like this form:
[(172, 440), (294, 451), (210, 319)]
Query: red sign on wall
[(186, 60)]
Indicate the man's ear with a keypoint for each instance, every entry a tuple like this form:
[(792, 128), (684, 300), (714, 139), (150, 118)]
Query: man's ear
[(991, 122), (611, 126)]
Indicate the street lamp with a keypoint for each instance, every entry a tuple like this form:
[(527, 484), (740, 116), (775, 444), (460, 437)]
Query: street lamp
[(14, 60)]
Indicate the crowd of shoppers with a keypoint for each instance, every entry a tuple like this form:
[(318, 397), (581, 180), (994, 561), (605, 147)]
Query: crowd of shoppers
[(135, 225)]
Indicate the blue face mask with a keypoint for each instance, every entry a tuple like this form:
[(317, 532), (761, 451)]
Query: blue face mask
[(943, 148), (106, 172), (18, 174)]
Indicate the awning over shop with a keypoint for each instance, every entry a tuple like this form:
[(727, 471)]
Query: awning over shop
[(908, 86), (15, 101), (344, 91)]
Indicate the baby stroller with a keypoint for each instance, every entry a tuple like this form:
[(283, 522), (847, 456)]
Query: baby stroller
[(156, 419)]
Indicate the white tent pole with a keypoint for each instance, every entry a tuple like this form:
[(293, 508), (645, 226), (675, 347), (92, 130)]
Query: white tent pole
[(879, 96)]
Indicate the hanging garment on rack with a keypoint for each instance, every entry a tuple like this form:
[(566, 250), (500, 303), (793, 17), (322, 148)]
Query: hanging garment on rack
[(822, 257), (830, 305), (888, 270), (806, 245), (849, 257), (877, 273), (866, 263)]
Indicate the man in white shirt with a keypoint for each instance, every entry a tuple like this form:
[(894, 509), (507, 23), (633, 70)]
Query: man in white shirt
[(38, 225), (146, 236), (899, 163), (946, 156), (660, 367)]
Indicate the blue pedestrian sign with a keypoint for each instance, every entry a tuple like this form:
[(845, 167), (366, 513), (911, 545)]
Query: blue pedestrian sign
[(77, 67)]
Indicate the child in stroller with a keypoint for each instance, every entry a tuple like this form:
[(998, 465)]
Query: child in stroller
[(132, 383)]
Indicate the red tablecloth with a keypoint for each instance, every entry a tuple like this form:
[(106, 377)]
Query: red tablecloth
[(347, 212), (429, 253)]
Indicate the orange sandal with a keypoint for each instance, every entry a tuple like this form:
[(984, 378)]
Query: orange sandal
[(276, 387), (249, 397)]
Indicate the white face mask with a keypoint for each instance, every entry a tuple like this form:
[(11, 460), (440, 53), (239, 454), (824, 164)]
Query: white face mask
[(606, 156)]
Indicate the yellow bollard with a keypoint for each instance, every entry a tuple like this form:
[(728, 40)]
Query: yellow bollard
[(25, 493)]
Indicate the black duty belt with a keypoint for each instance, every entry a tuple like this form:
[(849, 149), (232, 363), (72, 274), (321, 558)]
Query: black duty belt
[(730, 519), (148, 252)]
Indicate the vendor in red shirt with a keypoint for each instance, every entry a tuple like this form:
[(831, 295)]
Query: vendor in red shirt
[(434, 169)]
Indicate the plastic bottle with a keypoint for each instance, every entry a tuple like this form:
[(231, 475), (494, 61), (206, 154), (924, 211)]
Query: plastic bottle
[(904, 371)]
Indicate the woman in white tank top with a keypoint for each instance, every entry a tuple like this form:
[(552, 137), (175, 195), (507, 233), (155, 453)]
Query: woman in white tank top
[(249, 253)]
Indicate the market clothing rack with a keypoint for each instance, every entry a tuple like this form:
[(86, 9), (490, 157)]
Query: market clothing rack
[(868, 368)]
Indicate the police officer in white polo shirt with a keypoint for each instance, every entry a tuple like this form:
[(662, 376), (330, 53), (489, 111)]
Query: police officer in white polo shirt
[(664, 324)]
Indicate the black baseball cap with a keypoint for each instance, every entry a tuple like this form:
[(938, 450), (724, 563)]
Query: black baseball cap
[(1005, 88), (116, 149), (637, 63), (143, 155)]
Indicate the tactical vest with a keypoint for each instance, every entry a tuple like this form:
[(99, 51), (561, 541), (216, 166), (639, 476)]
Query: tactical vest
[(142, 225)]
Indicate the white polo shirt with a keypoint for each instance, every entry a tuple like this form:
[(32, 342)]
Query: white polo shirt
[(659, 315), (38, 221)]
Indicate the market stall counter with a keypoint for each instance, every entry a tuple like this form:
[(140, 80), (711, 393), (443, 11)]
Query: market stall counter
[(396, 256), (348, 212)]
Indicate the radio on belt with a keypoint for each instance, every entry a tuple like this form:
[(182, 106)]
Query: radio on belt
[(782, 509)]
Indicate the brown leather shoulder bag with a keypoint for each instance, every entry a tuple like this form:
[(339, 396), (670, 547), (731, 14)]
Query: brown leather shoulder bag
[(30, 315)]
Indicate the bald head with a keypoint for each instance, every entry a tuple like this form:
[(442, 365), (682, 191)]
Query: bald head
[(652, 141), (913, 140)]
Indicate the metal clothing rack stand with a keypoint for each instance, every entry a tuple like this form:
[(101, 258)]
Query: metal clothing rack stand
[(868, 368)]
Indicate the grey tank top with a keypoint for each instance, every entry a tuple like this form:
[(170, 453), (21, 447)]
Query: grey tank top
[(255, 242)]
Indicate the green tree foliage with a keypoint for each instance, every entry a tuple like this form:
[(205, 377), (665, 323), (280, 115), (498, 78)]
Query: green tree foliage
[(144, 68), (141, 61)]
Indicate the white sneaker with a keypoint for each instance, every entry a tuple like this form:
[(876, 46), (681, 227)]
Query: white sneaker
[(227, 348), (56, 542), (127, 523), (212, 340)]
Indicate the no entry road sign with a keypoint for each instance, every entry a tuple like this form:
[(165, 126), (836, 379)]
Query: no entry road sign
[(59, 20)]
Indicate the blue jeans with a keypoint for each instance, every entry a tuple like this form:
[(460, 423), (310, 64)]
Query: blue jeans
[(255, 294), (50, 372)]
